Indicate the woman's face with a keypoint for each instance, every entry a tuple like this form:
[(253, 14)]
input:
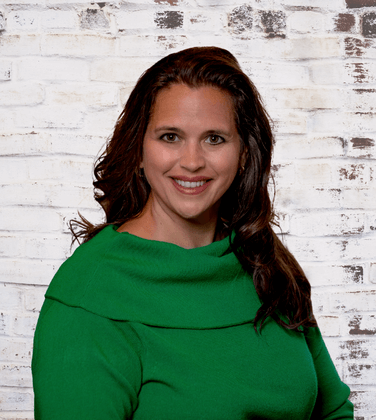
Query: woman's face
[(191, 151)]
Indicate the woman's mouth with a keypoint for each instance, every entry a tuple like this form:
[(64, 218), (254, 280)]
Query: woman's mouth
[(187, 184)]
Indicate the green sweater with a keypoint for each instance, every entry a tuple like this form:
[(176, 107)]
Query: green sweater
[(147, 330)]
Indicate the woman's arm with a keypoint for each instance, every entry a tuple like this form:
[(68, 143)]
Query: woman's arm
[(332, 400), (84, 366)]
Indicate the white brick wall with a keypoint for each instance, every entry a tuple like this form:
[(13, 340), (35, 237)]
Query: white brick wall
[(66, 69)]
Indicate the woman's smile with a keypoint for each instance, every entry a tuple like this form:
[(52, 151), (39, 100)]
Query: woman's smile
[(191, 151)]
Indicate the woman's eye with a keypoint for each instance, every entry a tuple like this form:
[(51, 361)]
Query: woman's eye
[(213, 139), (169, 137)]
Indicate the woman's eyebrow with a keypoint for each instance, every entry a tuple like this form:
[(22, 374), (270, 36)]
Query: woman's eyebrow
[(180, 131)]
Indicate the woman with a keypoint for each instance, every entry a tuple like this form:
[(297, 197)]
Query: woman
[(184, 304)]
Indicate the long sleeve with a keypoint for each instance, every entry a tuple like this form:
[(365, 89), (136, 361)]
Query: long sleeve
[(332, 399), (84, 366)]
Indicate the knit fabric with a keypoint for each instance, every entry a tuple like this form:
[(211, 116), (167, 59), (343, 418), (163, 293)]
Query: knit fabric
[(140, 329)]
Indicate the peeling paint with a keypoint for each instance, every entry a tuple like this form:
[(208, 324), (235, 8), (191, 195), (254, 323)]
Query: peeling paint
[(356, 272), (356, 349), (171, 2), (169, 19), (274, 23), (354, 324), (354, 47), (362, 143), (355, 4), (241, 19), (353, 173), (344, 22), (369, 25), (360, 73)]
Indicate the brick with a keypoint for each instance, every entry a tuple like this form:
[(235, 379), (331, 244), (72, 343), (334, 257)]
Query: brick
[(13, 400), (327, 224), (353, 300), (372, 274), (92, 95), (13, 170), (241, 19), (361, 248), (78, 170), (303, 48), (17, 416), (313, 173), (21, 271), (24, 325), (34, 298), (320, 301), (306, 22), (12, 94), (344, 22), (7, 117), (361, 324), (43, 246), (303, 147), (49, 117), (151, 45), (77, 144), (15, 349), (5, 70), (364, 402), (325, 4), (5, 321), (361, 349), (17, 45), (333, 275), (352, 173), (53, 69), (310, 197), (290, 122), (48, 193), (361, 72), (23, 144), (23, 20), (329, 325), (15, 375), (263, 72), (101, 122), (362, 100), (355, 198), (203, 20), (273, 23), (134, 20), (24, 218), (58, 19), (340, 122), (119, 70), (314, 249), (354, 4), (2, 22), (284, 174), (77, 45), (356, 47), (360, 374), (295, 98), (94, 19), (369, 25), (169, 19)]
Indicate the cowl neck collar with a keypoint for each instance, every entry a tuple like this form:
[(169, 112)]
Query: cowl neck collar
[(123, 277)]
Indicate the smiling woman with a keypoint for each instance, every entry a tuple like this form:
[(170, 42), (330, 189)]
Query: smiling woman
[(191, 155), (184, 304)]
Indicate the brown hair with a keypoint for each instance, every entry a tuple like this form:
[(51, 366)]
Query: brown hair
[(246, 207)]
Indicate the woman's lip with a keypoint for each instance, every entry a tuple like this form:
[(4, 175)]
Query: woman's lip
[(193, 179), (190, 191)]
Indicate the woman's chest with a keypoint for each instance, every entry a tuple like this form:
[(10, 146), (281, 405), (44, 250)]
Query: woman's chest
[(226, 373)]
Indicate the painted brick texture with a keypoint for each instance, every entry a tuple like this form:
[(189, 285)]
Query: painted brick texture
[(68, 66)]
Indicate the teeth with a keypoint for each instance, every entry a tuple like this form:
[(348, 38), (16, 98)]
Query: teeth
[(187, 184)]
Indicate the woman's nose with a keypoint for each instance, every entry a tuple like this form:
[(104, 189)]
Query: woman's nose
[(192, 157)]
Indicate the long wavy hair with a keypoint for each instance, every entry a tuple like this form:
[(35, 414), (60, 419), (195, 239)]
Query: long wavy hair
[(246, 207)]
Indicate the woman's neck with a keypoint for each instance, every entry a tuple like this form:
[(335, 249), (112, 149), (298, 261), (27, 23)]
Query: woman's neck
[(157, 225)]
